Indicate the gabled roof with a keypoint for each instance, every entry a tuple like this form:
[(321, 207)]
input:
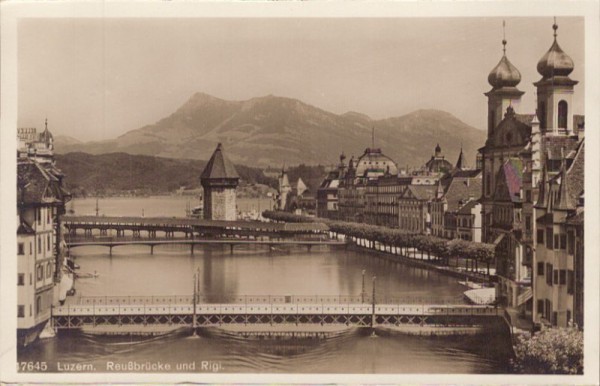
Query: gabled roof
[(461, 189), (419, 192), (510, 181), (466, 209), (556, 146), (37, 185), (570, 192), (219, 166), (25, 229)]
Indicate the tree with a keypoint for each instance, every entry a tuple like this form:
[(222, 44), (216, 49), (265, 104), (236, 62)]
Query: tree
[(550, 351)]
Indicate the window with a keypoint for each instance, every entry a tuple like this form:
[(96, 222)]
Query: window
[(563, 277), (528, 195), (20, 311), (549, 274), (20, 249), (31, 248), (540, 307), (570, 282), (570, 242), (563, 111), (21, 279), (540, 269), (30, 279), (48, 242), (549, 238), (556, 242), (39, 216), (40, 273), (48, 270), (555, 276), (528, 223), (542, 115), (547, 309), (48, 215), (563, 241), (540, 236), (39, 244), (554, 318), (568, 316)]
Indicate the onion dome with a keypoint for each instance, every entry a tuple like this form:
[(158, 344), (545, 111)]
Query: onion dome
[(555, 62), (504, 74)]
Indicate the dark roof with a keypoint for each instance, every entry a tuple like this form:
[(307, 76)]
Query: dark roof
[(556, 145), (25, 229), (510, 180), (466, 173), (37, 184), (577, 217), (575, 177), (466, 209), (421, 192), (460, 163), (438, 164), (460, 189), (219, 166)]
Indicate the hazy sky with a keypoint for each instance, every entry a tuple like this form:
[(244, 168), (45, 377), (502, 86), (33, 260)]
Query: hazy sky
[(95, 79)]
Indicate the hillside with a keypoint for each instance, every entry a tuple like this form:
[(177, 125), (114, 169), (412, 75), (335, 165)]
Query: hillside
[(118, 173), (274, 130)]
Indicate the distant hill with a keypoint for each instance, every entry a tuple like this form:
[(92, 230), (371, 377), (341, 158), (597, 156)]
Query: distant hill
[(274, 130), (115, 173)]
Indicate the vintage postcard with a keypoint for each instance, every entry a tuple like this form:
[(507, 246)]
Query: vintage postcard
[(299, 192)]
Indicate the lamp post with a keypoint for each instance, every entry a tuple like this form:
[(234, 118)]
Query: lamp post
[(363, 292), (373, 309)]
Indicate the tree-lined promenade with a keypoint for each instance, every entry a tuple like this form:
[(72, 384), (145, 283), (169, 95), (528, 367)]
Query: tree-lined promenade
[(433, 249)]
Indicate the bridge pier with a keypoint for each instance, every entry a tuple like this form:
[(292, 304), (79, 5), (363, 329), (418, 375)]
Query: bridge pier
[(103, 231), (309, 247), (110, 247), (152, 249), (136, 233), (192, 249), (231, 248)]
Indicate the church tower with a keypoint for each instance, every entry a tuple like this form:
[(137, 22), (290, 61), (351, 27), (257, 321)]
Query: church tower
[(555, 90), (504, 79), (219, 180)]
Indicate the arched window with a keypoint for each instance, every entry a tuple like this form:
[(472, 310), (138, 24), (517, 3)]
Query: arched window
[(563, 111), (542, 115)]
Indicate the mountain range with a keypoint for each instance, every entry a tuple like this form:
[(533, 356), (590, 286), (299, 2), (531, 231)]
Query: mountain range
[(271, 131)]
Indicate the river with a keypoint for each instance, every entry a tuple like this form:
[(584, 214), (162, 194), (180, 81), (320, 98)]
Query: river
[(256, 271)]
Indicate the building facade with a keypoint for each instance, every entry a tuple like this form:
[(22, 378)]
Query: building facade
[(559, 250), (219, 181), (530, 143), (41, 201)]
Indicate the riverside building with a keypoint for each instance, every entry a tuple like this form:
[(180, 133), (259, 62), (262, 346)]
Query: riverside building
[(41, 201), (517, 149)]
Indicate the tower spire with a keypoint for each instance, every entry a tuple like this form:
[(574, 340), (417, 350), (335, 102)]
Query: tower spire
[(504, 36), (373, 137), (555, 27)]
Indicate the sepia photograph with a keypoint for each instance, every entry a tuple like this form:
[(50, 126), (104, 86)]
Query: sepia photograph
[(204, 194)]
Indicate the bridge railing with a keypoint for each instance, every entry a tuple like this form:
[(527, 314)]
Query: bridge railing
[(274, 309), (267, 299)]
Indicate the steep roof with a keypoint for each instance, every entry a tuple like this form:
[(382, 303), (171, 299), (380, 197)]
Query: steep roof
[(420, 192), (37, 184), (460, 189), (466, 209), (219, 166), (510, 180)]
